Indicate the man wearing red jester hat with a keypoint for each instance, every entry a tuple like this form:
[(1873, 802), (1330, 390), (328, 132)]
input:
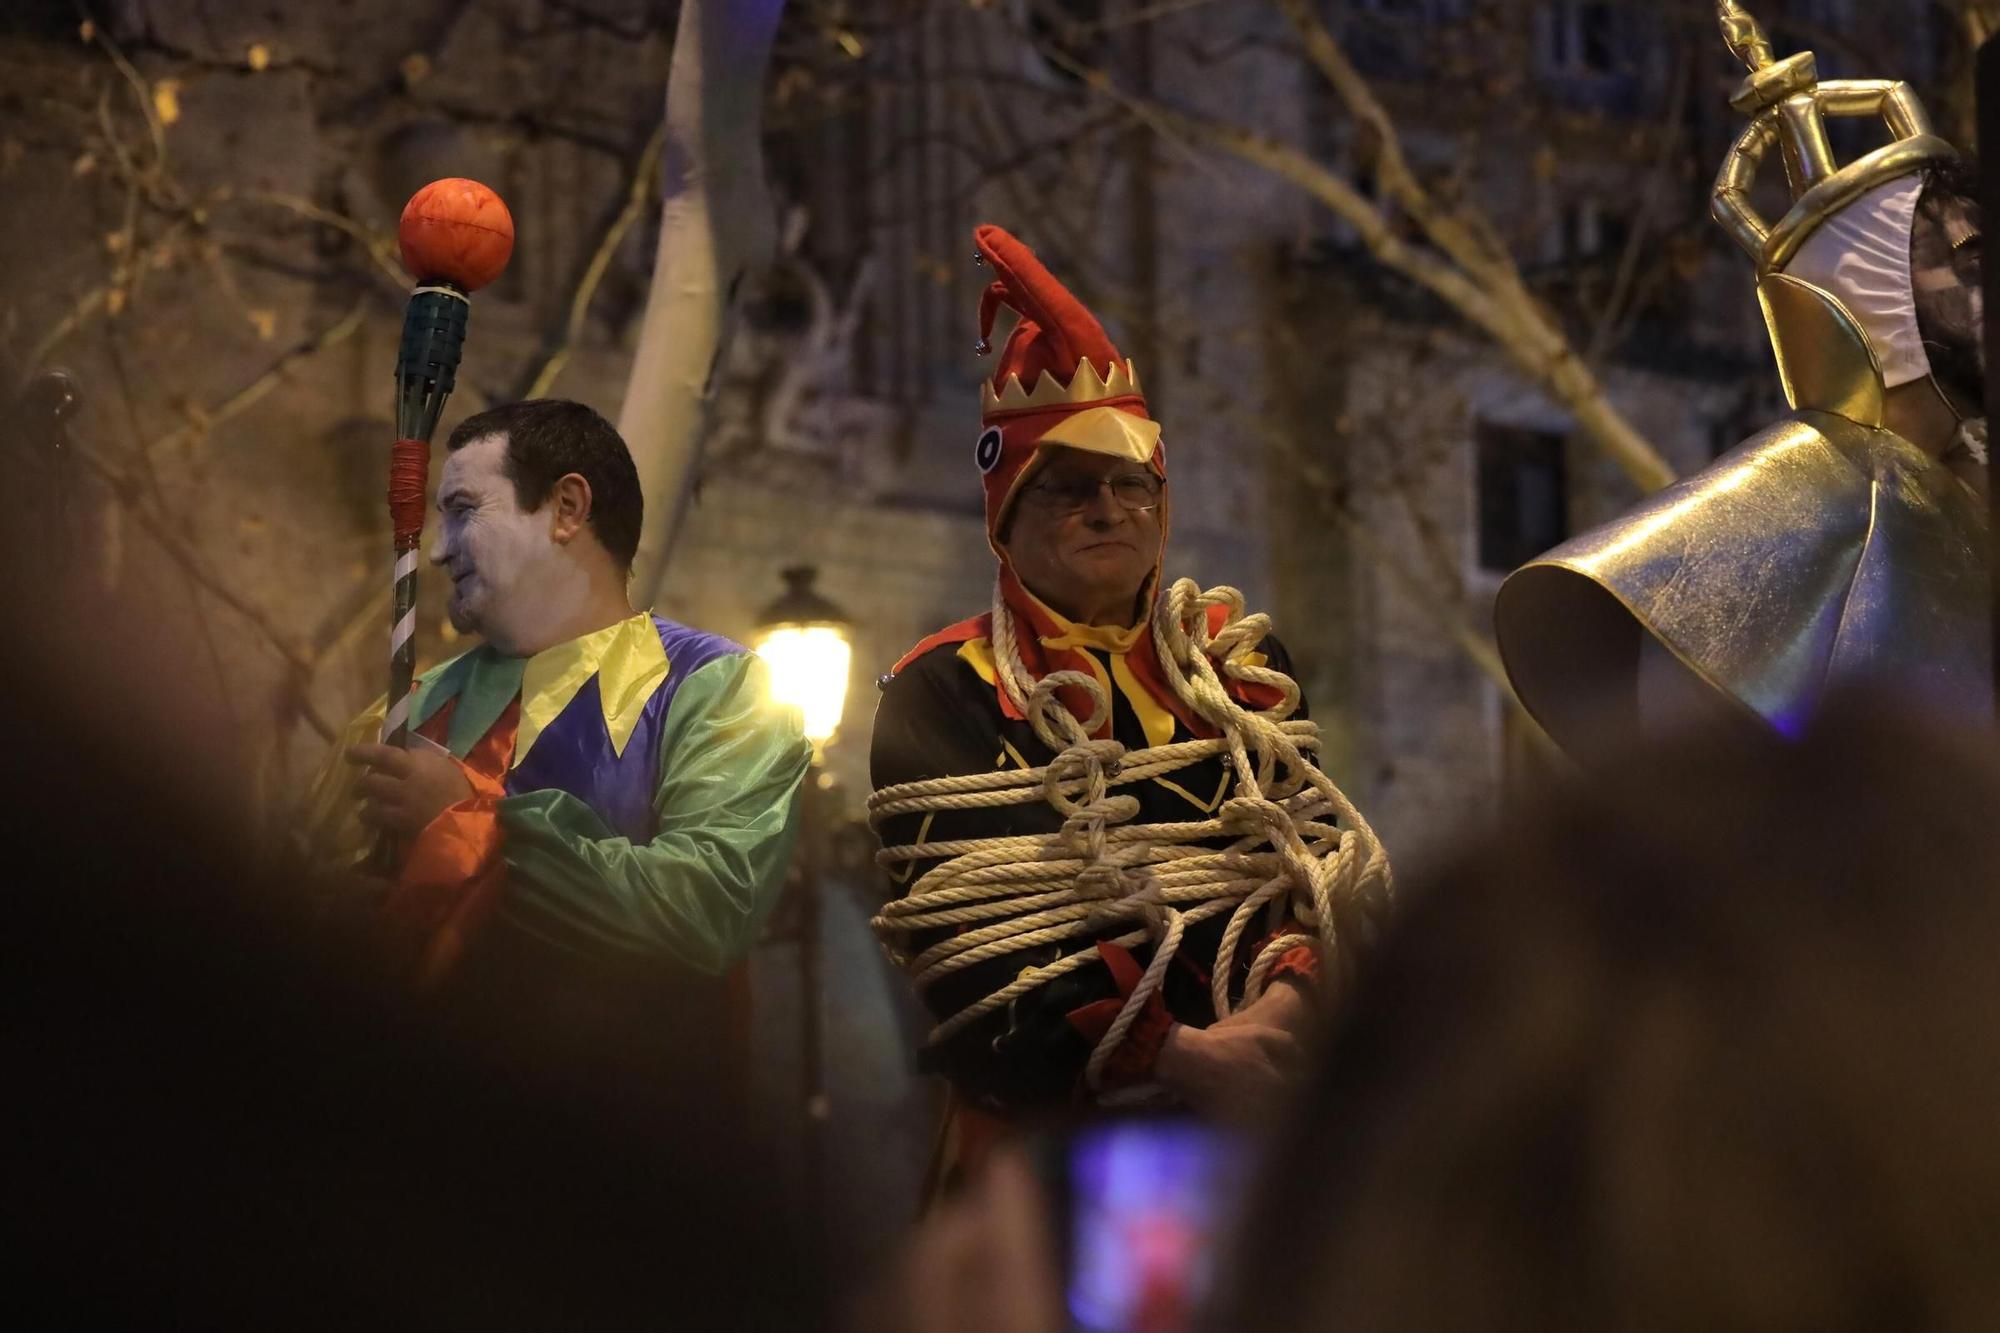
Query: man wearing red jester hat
[(1121, 874)]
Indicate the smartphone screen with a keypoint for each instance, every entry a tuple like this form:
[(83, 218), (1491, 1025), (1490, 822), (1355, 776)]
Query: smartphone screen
[(1148, 1199)]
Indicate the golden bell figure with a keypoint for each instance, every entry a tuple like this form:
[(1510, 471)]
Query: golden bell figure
[(1845, 543)]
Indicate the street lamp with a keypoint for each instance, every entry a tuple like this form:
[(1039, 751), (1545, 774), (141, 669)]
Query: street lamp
[(804, 638)]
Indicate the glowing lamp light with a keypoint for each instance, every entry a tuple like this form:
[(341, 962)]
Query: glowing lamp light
[(805, 640), (809, 671)]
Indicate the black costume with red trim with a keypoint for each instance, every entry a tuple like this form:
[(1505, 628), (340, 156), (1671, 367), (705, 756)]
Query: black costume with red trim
[(939, 717)]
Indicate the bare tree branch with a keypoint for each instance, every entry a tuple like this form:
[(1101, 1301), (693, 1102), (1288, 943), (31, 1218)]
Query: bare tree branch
[(1476, 279), (203, 420), (638, 194), (1623, 302), (715, 225), (378, 246), (128, 493), (1467, 246), (1328, 492)]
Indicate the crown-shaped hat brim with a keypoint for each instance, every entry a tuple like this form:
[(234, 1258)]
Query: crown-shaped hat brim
[(1088, 385)]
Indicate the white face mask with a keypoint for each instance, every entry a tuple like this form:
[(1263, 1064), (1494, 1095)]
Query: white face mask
[(511, 581), (1862, 255)]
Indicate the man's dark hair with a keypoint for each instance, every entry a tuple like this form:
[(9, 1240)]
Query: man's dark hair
[(549, 438), (1945, 259)]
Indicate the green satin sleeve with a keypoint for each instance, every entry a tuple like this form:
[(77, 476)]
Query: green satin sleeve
[(728, 804)]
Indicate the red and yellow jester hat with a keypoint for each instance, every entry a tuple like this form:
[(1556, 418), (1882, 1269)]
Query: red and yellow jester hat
[(1059, 381)]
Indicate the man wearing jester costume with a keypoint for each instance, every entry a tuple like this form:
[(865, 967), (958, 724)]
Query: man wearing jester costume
[(1058, 929), (1844, 545), (594, 791)]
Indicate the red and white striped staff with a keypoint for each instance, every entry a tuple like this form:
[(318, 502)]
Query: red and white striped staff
[(456, 237)]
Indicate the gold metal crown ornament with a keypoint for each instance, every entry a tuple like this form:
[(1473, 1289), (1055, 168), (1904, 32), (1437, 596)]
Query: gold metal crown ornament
[(1826, 360), (1789, 106)]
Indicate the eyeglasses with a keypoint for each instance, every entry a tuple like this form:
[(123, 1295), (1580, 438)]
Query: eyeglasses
[(1138, 492)]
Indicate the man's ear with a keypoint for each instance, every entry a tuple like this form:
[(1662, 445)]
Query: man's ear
[(569, 507)]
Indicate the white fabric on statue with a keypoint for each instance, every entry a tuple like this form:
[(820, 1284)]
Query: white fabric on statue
[(1862, 255)]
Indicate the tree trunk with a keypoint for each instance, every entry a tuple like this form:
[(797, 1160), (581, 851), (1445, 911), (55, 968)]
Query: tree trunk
[(716, 224)]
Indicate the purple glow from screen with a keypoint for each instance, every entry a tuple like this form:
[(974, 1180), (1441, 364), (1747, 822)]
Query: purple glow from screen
[(1149, 1197)]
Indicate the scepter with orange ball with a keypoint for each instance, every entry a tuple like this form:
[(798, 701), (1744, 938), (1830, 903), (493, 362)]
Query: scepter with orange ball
[(456, 237)]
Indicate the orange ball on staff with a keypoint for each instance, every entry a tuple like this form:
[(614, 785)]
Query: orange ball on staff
[(457, 231)]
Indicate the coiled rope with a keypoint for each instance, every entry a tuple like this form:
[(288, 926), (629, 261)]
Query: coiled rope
[(1297, 841)]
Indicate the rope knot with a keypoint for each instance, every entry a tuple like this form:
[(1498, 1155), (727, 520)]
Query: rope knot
[(1115, 891), (1094, 764), (1255, 814), (1052, 720)]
